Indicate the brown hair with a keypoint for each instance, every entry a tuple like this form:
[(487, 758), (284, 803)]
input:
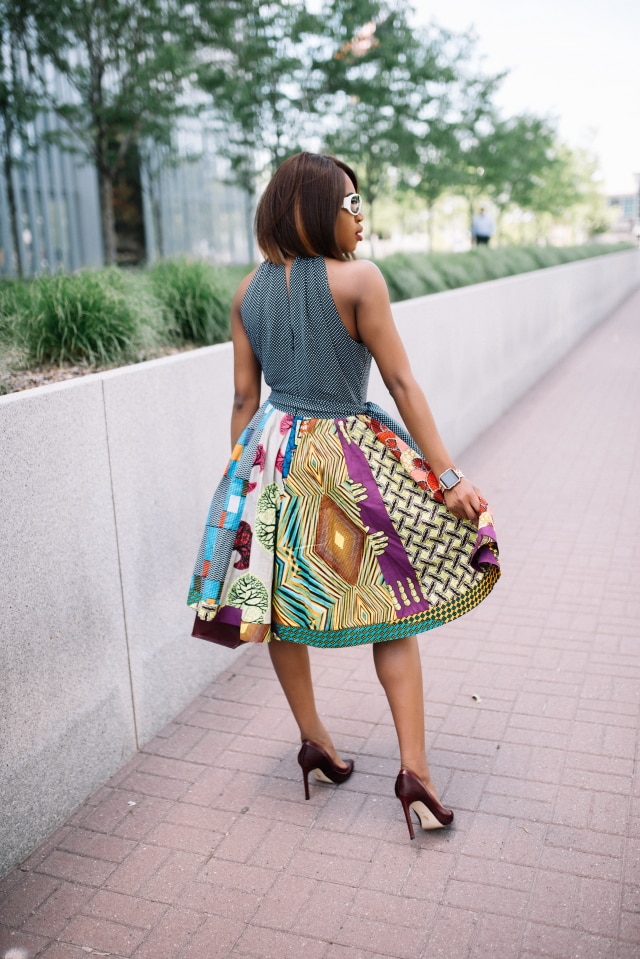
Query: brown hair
[(297, 212)]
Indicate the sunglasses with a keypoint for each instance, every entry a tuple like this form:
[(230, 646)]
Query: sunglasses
[(353, 203)]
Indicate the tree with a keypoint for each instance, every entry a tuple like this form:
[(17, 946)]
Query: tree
[(473, 120), (397, 88), (518, 156), (125, 65), (257, 82), (20, 100)]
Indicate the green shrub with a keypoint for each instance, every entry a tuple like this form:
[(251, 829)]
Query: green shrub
[(83, 317), (103, 317), (417, 274), (13, 296), (196, 298), (410, 275)]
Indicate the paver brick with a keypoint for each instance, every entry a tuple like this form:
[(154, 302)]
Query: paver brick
[(65, 950), (483, 898), (243, 838), (275, 944), (498, 936), (96, 845), (67, 865), (185, 838), (171, 935), (558, 943), (50, 918), (169, 767), (102, 935), (554, 898), (155, 785), (129, 910), (215, 938), (452, 933), (281, 905), (217, 899), (166, 883), (25, 898)]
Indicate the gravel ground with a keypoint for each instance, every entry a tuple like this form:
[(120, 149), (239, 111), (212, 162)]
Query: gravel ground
[(13, 379)]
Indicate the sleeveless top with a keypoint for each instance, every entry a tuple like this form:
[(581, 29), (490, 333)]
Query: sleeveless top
[(308, 358), (312, 365)]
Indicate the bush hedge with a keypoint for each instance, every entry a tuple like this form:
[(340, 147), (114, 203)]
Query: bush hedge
[(418, 274), (195, 297), (113, 316)]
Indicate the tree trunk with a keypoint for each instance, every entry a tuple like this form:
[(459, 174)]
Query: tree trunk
[(154, 189), (13, 212), (105, 184)]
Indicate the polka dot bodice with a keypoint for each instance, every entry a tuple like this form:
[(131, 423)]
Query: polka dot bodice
[(308, 359)]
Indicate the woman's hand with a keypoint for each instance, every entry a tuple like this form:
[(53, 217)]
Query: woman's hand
[(465, 500)]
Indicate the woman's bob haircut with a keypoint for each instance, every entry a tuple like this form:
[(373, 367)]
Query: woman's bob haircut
[(297, 212)]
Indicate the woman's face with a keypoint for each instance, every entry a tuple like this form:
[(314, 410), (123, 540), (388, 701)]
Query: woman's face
[(349, 230)]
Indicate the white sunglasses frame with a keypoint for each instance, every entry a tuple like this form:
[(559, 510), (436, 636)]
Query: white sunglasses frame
[(346, 204)]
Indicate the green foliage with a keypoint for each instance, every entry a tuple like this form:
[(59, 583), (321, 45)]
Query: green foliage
[(418, 274), (85, 317), (262, 106), (14, 294), (398, 93), (105, 317), (196, 298)]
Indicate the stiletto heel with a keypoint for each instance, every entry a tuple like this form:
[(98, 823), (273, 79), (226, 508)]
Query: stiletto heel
[(413, 795), (313, 758)]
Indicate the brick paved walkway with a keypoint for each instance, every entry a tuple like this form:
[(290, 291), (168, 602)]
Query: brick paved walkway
[(203, 847)]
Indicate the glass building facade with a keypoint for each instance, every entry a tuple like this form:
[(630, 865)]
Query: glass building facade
[(56, 200), (188, 207)]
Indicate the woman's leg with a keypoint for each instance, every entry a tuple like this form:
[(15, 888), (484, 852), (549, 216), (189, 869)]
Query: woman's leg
[(399, 670), (293, 669)]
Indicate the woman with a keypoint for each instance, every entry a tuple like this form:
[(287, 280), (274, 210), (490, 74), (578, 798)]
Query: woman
[(329, 528)]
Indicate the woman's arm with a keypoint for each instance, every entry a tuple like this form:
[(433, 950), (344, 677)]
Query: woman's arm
[(378, 332), (246, 370)]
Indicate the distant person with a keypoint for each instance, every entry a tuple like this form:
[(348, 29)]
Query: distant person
[(482, 228)]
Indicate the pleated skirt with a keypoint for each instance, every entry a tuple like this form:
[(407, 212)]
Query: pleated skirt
[(333, 532)]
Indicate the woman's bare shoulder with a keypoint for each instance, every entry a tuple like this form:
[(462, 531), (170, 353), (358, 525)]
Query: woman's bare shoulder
[(355, 271), (243, 286)]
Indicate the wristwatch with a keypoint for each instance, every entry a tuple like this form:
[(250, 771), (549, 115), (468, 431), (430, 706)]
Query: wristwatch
[(449, 479)]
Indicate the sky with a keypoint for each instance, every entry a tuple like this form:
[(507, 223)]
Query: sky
[(577, 61)]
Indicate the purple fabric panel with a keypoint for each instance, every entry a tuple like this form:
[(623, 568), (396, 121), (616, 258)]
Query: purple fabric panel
[(224, 629), (394, 562), (229, 614), (481, 552), (483, 555)]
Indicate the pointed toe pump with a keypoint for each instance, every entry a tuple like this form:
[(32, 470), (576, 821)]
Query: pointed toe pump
[(413, 795), (313, 758)]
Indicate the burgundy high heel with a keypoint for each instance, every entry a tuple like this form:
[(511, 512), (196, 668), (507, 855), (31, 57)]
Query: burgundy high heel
[(413, 795), (314, 759)]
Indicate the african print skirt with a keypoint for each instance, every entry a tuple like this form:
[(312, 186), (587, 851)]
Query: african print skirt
[(333, 532)]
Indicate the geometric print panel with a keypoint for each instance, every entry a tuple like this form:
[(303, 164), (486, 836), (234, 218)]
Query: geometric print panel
[(438, 545)]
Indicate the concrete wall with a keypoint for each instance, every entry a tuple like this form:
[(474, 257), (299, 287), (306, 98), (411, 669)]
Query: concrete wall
[(105, 483)]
